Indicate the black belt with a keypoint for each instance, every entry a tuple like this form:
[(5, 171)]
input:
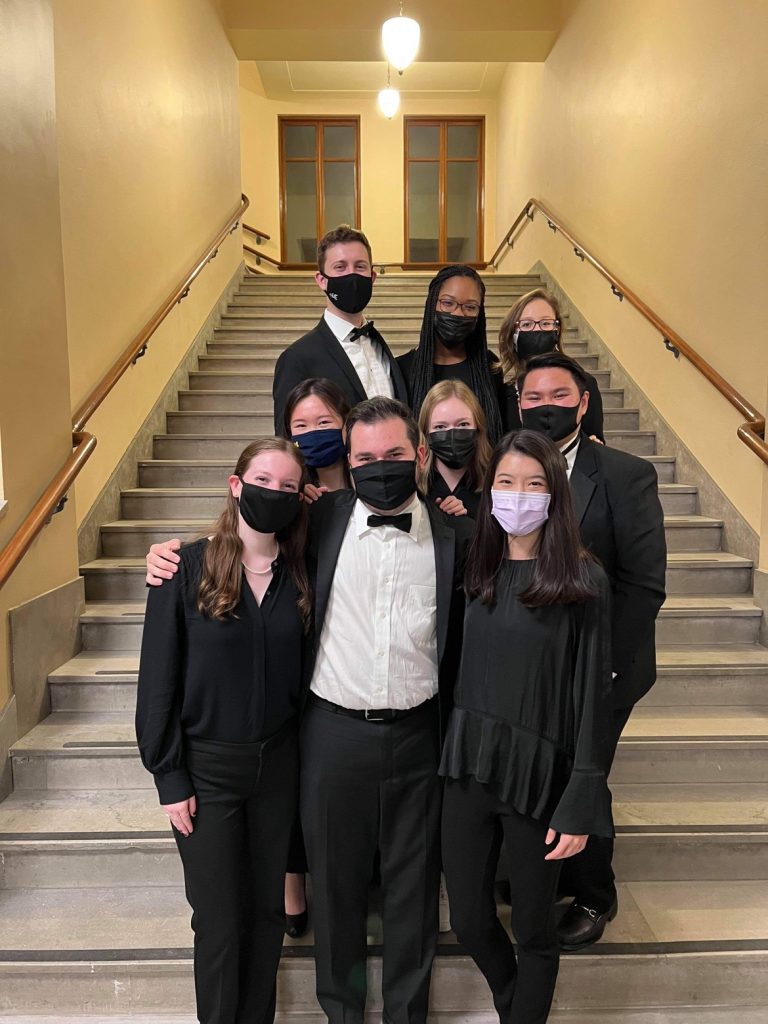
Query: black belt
[(369, 714)]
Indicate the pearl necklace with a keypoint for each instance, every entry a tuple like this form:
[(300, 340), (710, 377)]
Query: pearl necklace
[(261, 572)]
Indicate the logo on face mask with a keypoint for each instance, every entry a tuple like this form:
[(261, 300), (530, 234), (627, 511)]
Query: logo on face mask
[(387, 484), (350, 293), (321, 448)]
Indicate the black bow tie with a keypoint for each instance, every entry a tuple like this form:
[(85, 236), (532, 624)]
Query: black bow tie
[(359, 332), (401, 522)]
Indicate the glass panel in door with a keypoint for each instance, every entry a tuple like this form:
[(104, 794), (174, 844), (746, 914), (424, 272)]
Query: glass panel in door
[(301, 212), (424, 212), (462, 212)]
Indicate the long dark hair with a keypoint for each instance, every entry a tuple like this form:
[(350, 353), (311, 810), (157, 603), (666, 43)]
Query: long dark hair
[(561, 575), (480, 380), (221, 581), (331, 395)]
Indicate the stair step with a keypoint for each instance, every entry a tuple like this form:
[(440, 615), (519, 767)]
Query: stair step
[(693, 533), (220, 423), (245, 303), (696, 619), (240, 400), (97, 750), (259, 383), (682, 1015), (129, 950), (235, 362), (269, 343), (733, 675)]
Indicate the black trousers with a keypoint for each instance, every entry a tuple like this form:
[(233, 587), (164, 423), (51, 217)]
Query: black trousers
[(588, 877), (368, 788), (475, 822), (234, 864)]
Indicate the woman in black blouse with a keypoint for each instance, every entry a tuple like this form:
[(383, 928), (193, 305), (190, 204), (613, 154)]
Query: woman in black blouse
[(220, 684), (453, 345), (522, 755), (533, 327), (453, 424)]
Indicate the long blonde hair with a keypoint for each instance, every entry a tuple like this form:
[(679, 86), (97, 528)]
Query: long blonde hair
[(511, 364), (221, 581), (477, 465)]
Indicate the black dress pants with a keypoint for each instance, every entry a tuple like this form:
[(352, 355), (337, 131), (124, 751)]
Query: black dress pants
[(588, 877), (234, 865), (369, 787), (475, 822)]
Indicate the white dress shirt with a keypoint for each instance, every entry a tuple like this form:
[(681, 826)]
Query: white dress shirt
[(366, 356), (570, 457), (378, 646)]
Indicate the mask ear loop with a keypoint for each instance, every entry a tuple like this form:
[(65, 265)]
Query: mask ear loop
[(515, 336)]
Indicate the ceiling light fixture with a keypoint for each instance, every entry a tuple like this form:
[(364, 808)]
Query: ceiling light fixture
[(389, 100), (400, 38)]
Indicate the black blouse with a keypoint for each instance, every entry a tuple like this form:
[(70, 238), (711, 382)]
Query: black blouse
[(235, 680), (531, 704), (438, 488), (591, 424)]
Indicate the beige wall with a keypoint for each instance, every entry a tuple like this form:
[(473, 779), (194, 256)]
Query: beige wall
[(35, 424), (381, 163), (147, 105), (643, 132)]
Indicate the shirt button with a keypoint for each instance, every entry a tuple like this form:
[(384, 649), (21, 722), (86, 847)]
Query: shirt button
[(383, 615)]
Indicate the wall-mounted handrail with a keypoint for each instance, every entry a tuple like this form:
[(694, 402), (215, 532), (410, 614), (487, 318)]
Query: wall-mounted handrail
[(262, 256), (752, 432), (257, 232), (53, 497)]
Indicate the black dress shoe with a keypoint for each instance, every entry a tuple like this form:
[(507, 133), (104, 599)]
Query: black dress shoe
[(296, 924), (579, 926)]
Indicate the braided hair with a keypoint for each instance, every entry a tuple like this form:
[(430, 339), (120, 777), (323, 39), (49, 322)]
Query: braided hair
[(423, 367)]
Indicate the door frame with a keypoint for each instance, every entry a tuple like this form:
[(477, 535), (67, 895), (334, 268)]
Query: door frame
[(443, 122), (352, 120)]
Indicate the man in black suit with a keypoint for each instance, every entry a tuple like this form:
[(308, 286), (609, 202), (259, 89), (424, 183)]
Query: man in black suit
[(621, 520), (387, 569), (342, 347)]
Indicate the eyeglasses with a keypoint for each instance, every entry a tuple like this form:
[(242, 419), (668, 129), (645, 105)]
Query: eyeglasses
[(531, 325), (449, 305)]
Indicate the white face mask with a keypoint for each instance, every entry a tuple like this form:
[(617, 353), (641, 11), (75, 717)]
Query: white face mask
[(519, 512)]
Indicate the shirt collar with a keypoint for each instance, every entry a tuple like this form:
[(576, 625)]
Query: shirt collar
[(570, 457), (341, 328), (361, 513)]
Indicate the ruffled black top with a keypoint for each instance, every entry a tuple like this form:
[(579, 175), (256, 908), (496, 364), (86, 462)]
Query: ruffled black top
[(531, 704)]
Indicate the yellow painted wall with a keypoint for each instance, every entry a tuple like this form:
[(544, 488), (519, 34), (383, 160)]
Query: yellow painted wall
[(644, 131), (147, 106), (35, 424), (381, 160)]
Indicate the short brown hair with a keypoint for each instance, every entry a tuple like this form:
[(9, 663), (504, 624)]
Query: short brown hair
[(511, 364), (343, 233), (379, 409)]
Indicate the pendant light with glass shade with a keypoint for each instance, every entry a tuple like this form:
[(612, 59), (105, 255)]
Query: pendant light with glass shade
[(400, 38), (389, 100)]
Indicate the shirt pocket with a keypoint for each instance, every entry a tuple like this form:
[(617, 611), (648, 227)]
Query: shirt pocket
[(421, 615)]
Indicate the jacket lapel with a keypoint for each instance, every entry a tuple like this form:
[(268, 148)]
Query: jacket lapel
[(582, 478), (396, 374), (341, 359), (328, 547), (444, 541)]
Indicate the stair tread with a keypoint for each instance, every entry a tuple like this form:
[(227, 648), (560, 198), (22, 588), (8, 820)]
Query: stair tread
[(121, 524), (157, 918), (92, 815), (64, 731), (673, 1015)]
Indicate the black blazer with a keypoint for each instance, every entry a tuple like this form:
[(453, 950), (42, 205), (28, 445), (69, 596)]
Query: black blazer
[(451, 536), (319, 354), (616, 498), (592, 422)]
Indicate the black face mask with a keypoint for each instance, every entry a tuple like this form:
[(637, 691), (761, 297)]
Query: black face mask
[(453, 330), (350, 293), (454, 447), (556, 421), (386, 484), (267, 511), (535, 343)]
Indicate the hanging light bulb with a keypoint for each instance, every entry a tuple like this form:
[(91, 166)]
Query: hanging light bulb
[(400, 38), (389, 100)]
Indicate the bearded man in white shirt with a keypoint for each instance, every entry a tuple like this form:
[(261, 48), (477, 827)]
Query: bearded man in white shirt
[(343, 347)]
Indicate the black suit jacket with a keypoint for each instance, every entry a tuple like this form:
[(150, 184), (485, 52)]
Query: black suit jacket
[(319, 354), (617, 505), (451, 536)]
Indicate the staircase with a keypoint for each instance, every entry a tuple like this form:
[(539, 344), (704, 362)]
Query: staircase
[(92, 913)]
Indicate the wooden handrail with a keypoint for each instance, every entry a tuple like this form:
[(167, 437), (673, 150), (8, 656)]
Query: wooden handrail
[(50, 502), (256, 231), (53, 497), (752, 432), (262, 256)]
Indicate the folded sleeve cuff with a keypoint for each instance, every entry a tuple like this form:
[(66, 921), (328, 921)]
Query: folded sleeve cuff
[(585, 806), (173, 787)]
